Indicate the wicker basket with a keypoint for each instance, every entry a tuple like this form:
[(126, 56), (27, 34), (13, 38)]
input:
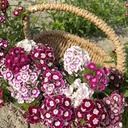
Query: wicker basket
[(60, 41)]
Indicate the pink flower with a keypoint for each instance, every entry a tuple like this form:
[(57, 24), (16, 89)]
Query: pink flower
[(33, 115), (33, 77), (58, 123), (56, 112), (75, 59), (91, 66), (67, 102), (87, 104), (21, 8), (35, 92), (67, 115), (50, 103), (17, 86), (8, 75), (18, 78), (94, 121), (50, 89), (2, 19), (24, 76), (23, 60)]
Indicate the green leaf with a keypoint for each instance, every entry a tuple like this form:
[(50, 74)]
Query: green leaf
[(126, 93)]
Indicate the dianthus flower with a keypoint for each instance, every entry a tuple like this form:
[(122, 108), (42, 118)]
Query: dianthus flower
[(52, 81), (78, 91), (116, 104), (115, 79), (75, 59), (43, 56), (98, 78), (33, 115), (28, 45), (24, 84), (93, 113), (18, 11), (16, 59), (57, 112), (3, 7)]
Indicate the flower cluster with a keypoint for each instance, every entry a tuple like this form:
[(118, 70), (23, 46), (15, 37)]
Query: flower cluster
[(3, 7), (18, 11), (43, 57), (16, 59), (24, 84), (75, 59), (104, 113), (98, 79), (61, 97), (116, 103), (52, 81), (28, 45), (115, 79), (24, 71), (57, 112), (78, 91), (33, 115)]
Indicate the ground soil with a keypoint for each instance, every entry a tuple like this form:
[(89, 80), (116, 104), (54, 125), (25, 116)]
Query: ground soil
[(10, 117)]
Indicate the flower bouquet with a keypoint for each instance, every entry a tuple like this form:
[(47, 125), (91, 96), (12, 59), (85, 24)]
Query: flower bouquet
[(76, 93), (71, 93)]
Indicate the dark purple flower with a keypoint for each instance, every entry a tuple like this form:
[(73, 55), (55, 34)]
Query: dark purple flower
[(67, 102), (50, 103), (56, 112), (67, 114), (58, 123), (21, 8), (58, 100), (94, 121), (33, 110), (16, 13), (47, 115), (87, 104), (35, 92)]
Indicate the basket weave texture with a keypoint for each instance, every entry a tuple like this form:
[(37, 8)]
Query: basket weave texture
[(60, 40)]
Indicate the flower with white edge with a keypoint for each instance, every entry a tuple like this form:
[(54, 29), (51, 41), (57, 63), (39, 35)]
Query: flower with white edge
[(75, 59), (8, 75), (28, 45), (24, 76), (23, 90), (82, 91), (33, 77), (35, 92), (17, 86)]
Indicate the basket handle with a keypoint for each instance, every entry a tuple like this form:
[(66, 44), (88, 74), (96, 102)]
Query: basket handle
[(87, 15)]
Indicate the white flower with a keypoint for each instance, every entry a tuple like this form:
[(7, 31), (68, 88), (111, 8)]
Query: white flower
[(28, 45), (75, 59), (82, 91)]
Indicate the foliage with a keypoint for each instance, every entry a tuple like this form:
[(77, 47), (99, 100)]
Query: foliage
[(112, 12), (12, 28)]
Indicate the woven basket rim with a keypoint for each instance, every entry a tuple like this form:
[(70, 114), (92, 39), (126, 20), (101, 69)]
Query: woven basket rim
[(121, 56)]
